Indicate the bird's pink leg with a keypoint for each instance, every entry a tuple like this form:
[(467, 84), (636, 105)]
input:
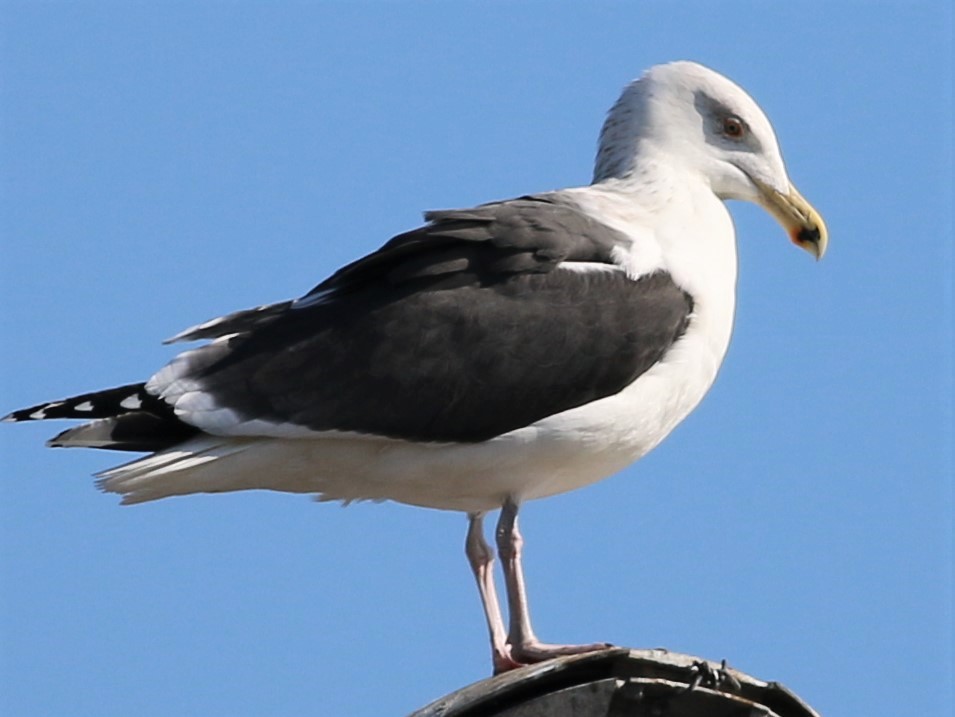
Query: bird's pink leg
[(481, 558), (524, 646)]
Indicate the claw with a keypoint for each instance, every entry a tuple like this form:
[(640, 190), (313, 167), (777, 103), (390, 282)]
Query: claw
[(716, 679)]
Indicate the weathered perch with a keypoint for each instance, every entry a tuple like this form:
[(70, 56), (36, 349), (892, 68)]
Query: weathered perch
[(620, 682)]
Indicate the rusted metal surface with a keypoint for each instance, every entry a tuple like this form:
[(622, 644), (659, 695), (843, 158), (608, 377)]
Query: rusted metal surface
[(619, 682)]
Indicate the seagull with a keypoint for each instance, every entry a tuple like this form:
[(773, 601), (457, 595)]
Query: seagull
[(497, 354)]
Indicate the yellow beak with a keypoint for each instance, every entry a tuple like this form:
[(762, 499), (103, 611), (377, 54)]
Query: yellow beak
[(806, 228)]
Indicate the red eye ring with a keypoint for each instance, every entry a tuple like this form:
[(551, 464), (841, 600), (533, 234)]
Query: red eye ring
[(734, 127)]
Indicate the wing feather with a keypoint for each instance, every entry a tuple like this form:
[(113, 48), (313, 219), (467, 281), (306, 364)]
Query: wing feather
[(459, 330)]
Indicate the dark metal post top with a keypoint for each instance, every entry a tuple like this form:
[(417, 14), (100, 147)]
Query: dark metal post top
[(620, 682)]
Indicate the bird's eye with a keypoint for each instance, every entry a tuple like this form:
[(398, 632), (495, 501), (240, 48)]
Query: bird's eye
[(734, 127)]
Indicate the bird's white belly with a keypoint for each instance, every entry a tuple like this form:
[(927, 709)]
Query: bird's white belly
[(554, 455)]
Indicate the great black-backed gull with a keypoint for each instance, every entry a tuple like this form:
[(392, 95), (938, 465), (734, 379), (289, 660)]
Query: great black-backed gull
[(497, 354)]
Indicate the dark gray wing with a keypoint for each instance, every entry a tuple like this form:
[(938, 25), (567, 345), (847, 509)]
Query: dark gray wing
[(461, 330)]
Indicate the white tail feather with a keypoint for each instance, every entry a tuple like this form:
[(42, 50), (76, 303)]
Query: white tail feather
[(172, 471)]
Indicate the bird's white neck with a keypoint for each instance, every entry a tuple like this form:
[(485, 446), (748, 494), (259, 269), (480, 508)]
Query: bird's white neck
[(676, 223)]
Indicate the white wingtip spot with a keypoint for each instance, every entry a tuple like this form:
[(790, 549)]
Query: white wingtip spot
[(39, 415), (83, 407), (131, 402)]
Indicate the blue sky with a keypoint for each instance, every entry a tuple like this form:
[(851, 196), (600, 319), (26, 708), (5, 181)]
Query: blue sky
[(162, 164)]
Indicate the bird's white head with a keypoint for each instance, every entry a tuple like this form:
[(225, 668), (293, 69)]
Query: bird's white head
[(688, 115)]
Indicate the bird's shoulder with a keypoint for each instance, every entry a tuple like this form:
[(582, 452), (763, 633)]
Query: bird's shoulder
[(493, 241)]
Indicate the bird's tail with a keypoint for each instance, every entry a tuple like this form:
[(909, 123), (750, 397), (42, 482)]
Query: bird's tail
[(126, 418), (202, 464)]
